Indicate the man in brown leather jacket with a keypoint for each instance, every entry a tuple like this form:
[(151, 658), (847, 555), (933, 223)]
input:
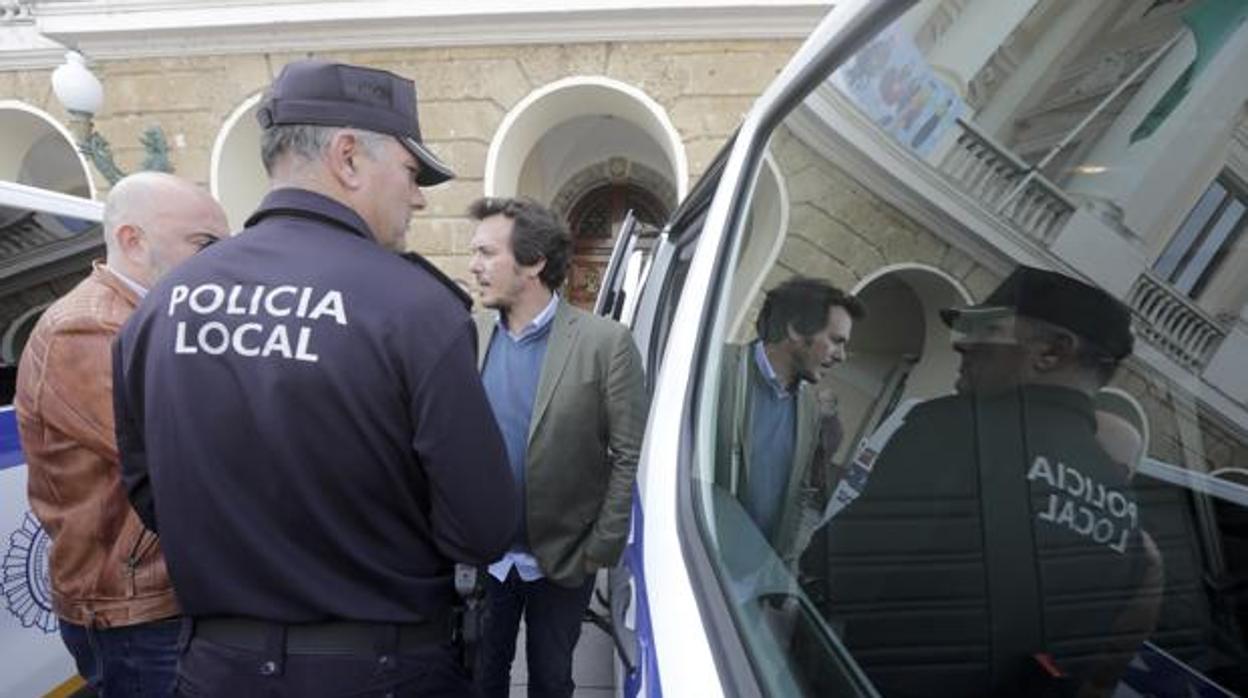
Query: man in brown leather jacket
[(118, 614)]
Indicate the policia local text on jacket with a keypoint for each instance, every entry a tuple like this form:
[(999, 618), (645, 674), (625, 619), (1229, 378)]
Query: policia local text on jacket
[(992, 529), (317, 397)]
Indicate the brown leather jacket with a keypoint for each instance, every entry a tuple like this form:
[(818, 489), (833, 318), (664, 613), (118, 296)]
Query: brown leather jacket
[(107, 569)]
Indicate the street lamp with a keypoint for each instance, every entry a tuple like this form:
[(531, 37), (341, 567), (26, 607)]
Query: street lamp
[(82, 95)]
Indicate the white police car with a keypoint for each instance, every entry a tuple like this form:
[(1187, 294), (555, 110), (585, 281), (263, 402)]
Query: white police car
[(859, 165), (33, 661)]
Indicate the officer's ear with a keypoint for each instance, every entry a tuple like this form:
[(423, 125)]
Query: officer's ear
[(1056, 349), (342, 156)]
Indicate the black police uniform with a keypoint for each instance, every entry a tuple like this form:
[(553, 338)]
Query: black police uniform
[(993, 534), (299, 411)]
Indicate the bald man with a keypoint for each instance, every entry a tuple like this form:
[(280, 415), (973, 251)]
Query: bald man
[(118, 615)]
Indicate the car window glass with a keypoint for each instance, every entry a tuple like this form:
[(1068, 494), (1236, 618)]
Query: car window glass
[(945, 454)]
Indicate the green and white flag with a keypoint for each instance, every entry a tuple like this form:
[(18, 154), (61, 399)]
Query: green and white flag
[(1211, 22)]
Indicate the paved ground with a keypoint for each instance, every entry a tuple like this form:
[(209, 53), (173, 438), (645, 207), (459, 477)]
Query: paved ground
[(592, 669)]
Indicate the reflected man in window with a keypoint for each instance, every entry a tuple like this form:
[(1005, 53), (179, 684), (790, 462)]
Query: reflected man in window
[(996, 548), (773, 431)]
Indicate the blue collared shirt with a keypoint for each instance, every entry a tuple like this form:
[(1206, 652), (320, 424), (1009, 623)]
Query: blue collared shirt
[(768, 371), (773, 437), (513, 368)]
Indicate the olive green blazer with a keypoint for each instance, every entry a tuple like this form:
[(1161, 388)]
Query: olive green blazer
[(733, 444), (584, 440)]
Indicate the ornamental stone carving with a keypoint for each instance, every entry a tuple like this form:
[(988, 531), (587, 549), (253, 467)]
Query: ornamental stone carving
[(16, 12)]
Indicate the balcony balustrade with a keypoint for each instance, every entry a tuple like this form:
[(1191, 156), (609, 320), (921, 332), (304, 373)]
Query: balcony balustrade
[(1006, 185), (1171, 322)]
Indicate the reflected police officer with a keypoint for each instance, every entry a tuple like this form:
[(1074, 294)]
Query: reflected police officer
[(996, 548), (300, 417)]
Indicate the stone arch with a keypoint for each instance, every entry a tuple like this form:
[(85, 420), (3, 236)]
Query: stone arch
[(902, 349), (236, 175), (613, 170), (1127, 438), (589, 142), (1233, 474), (761, 243), (40, 151), (580, 105), (15, 335)]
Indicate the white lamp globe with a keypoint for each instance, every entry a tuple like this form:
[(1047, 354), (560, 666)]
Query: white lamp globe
[(77, 89)]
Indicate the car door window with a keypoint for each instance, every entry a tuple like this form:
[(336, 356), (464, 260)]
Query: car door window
[(905, 500)]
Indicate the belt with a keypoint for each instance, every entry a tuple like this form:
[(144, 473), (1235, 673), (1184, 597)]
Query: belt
[(332, 638)]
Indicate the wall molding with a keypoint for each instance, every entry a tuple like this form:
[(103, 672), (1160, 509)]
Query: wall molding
[(120, 29), (16, 12)]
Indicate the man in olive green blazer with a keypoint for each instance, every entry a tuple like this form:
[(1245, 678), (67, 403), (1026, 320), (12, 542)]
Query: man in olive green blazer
[(568, 393), (773, 443)]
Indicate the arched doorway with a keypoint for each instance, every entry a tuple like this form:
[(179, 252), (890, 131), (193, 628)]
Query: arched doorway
[(592, 148), (44, 252), (593, 222), (237, 176), (900, 351), (38, 151), (591, 116)]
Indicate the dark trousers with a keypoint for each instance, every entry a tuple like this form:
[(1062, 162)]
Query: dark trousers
[(210, 669), (552, 616), (136, 660)]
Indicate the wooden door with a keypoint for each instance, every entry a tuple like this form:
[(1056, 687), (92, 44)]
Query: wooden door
[(594, 222)]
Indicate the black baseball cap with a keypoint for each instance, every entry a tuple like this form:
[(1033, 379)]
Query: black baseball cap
[(1061, 300), (320, 93)]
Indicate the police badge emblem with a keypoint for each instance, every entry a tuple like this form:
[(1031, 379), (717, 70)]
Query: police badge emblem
[(24, 581)]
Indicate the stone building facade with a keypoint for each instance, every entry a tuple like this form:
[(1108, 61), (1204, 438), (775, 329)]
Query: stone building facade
[(705, 87)]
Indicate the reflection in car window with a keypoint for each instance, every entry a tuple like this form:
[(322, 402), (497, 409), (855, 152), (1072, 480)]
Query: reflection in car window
[(963, 440), (669, 289)]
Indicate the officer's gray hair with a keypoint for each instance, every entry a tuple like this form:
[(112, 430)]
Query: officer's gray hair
[(308, 142)]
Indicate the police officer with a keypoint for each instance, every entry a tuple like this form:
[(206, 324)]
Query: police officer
[(995, 548), (300, 417)]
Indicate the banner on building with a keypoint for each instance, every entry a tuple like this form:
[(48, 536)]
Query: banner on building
[(33, 661), (891, 82)]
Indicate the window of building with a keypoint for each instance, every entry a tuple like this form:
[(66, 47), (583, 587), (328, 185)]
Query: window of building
[(1207, 236)]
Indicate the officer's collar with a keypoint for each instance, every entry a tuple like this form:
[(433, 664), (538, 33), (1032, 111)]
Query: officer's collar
[(291, 201), (1073, 402)]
